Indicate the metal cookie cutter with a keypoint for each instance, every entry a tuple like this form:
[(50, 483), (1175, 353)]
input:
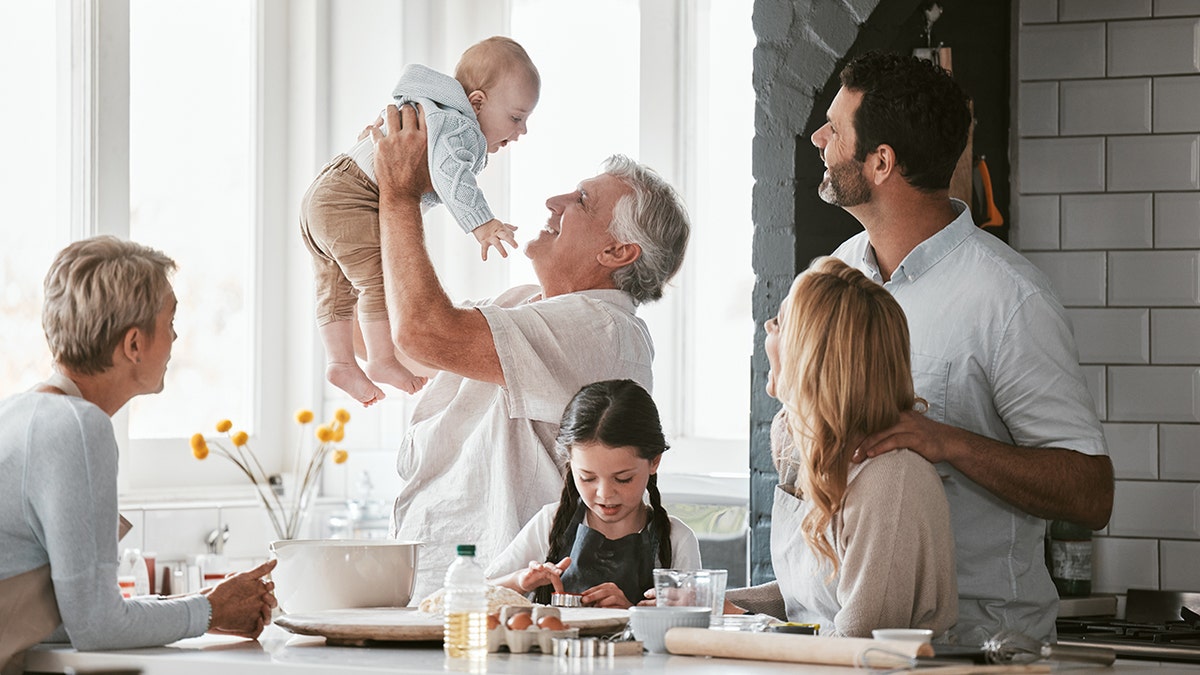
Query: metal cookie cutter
[(566, 600)]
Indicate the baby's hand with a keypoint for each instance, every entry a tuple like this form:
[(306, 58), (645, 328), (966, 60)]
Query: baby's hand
[(494, 234), (539, 574)]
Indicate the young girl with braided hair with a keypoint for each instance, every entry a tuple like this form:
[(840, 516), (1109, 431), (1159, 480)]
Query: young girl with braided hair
[(602, 540)]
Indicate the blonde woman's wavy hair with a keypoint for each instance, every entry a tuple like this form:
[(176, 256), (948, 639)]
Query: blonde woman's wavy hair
[(844, 374)]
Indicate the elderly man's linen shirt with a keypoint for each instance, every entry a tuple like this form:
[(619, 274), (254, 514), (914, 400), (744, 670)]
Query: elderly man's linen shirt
[(479, 459)]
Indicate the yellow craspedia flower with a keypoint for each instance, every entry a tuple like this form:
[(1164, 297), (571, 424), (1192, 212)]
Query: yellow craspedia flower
[(304, 416), (341, 415), (339, 434), (340, 456), (239, 439), (199, 446), (223, 426), (324, 433)]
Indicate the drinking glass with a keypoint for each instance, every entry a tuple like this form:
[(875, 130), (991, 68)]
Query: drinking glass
[(691, 588)]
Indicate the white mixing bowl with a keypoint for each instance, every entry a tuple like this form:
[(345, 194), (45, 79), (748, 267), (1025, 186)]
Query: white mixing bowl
[(318, 574)]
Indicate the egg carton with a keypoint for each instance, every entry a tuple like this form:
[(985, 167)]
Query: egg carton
[(526, 635)]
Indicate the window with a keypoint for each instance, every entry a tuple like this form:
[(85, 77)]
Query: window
[(682, 102), (32, 199), (172, 164), (196, 126), (191, 167)]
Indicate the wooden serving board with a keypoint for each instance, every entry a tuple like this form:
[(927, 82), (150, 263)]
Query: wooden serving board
[(407, 624)]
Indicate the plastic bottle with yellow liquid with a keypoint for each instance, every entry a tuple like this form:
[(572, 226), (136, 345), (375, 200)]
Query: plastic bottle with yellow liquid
[(465, 607)]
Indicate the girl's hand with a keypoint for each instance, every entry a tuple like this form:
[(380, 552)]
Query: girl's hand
[(651, 598), (605, 595), (539, 574)]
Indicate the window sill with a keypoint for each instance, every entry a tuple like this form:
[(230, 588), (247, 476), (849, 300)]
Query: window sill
[(223, 496)]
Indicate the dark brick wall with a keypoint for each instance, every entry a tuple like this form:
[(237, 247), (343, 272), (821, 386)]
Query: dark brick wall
[(802, 45)]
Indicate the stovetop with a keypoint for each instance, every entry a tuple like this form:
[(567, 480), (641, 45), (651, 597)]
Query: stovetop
[(1158, 625)]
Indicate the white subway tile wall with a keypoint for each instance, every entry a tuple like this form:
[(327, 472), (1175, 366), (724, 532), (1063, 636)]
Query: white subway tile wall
[(1107, 202), (1155, 47), (1179, 568), (1177, 219), (1152, 393), (1154, 278), (1078, 276), (1176, 7), (1061, 51), (1121, 564), (174, 534), (1111, 335), (1178, 458), (1133, 449), (1058, 165), (1154, 162), (1108, 221), (1176, 332), (1039, 108), (1039, 11), (1176, 100), (1040, 214), (1155, 508), (1092, 107), (1090, 10)]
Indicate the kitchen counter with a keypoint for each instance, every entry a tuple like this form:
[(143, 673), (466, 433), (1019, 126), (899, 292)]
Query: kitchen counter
[(279, 651)]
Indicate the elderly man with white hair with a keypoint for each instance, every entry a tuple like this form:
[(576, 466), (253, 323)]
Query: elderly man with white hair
[(479, 458)]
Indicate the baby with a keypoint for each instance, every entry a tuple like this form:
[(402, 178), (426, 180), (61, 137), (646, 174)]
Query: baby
[(480, 110)]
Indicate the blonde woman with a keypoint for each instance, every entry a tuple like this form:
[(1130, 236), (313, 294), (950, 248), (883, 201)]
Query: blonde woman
[(108, 315), (855, 547)]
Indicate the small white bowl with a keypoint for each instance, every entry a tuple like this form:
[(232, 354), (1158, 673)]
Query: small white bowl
[(921, 635), (650, 624)]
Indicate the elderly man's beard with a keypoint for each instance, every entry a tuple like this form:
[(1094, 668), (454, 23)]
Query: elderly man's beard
[(845, 185)]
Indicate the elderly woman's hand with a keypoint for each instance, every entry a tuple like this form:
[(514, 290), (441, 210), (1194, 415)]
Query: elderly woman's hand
[(242, 603), (401, 163)]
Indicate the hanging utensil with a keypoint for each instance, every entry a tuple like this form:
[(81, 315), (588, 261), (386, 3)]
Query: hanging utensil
[(1013, 647)]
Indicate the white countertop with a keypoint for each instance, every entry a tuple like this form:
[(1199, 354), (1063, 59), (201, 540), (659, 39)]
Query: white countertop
[(278, 651)]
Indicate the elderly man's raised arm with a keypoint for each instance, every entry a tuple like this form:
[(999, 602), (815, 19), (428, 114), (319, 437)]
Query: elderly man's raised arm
[(426, 325)]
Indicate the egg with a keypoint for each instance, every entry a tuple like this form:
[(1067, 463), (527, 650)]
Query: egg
[(551, 623), (519, 621), (493, 621)]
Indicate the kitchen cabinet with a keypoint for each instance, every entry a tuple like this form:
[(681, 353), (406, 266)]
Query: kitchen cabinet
[(280, 652)]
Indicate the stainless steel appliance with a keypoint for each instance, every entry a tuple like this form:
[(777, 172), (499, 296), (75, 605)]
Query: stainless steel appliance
[(1158, 626)]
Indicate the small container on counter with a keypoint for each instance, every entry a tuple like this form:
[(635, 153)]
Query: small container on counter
[(566, 600), (795, 628)]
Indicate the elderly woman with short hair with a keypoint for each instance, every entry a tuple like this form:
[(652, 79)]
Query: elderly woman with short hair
[(108, 316)]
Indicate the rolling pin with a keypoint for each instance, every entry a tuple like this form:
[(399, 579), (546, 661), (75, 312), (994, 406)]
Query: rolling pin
[(861, 652)]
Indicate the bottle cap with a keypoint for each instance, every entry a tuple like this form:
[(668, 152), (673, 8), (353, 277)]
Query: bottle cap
[(466, 549)]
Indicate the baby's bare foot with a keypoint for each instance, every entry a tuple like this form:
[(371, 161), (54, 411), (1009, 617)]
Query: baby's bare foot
[(351, 379), (389, 371)]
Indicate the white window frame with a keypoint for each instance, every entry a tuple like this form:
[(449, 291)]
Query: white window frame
[(292, 134), (99, 161), (669, 143)]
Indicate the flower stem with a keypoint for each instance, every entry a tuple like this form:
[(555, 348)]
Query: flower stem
[(258, 489)]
